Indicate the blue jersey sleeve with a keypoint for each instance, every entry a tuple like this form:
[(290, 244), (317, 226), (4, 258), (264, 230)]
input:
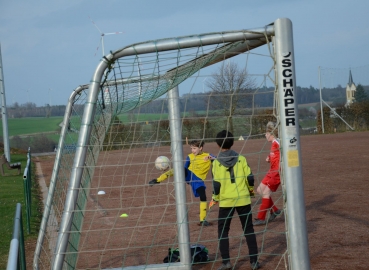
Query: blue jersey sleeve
[(186, 165), (187, 162)]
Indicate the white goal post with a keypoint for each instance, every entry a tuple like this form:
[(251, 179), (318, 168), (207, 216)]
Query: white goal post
[(290, 144)]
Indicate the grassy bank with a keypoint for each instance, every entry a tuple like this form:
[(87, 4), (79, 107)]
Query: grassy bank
[(11, 193)]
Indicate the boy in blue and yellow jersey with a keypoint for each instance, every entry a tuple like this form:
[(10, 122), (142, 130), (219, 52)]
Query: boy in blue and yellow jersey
[(233, 186), (197, 166)]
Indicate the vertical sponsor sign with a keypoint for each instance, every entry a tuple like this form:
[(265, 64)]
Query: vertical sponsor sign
[(290, 108)]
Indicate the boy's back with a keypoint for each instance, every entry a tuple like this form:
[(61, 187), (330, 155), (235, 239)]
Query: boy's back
[(231, 189), (233, 192)]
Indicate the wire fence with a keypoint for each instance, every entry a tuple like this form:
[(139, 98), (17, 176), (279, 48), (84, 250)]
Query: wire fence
[(17, 254)]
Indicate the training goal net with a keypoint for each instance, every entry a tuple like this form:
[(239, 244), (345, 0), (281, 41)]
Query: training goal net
[(151, 99)]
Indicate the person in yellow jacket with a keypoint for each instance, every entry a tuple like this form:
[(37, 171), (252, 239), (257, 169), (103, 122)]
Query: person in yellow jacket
[(232, 188), (197, 166)]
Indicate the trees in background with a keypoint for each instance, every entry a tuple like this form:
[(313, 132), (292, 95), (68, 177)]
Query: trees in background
[(231, 89), (261, 98), (360, 94), (30, 109)]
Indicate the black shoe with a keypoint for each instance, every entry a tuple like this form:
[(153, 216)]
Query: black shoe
[(255, 265), (204, 223), (274, 215)]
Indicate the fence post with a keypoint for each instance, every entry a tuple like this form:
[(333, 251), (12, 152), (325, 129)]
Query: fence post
[(17, 254), (29, 178), (27, 185)]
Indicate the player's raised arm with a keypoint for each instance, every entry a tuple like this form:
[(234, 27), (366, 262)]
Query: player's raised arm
[(162, 177)]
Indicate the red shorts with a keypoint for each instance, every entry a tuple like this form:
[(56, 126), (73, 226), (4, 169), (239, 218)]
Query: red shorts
[(272, 180)]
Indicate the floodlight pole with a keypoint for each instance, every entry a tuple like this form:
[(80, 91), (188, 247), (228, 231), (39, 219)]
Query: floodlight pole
[(321, 103), (3, 112), (290, 145)]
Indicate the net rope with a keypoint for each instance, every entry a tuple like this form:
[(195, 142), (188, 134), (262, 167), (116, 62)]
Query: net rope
[(130, 129)]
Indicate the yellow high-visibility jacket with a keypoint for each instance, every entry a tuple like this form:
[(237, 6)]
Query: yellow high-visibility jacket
[(232, 192)]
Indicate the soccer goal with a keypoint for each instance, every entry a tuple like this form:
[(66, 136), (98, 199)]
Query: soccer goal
[(150, 99)]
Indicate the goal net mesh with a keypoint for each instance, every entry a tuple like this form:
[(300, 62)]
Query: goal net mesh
[(121, 221)]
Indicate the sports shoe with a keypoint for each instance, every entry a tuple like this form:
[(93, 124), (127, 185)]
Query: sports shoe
[(259, 222), (255, 265), (204, 223), (274, 215), (225, 266)]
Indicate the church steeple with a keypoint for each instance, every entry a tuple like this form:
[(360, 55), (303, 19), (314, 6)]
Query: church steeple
[(350, 90), (350, 82)]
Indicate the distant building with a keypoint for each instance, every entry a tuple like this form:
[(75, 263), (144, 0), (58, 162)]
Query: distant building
[(350, 90)]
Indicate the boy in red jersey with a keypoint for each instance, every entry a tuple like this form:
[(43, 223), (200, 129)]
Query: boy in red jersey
[(197, 166), (271, 181)]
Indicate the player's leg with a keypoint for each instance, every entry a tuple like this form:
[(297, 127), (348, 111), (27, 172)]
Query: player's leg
[(273, 185), (274, 208), (265, 192), (224, 223), (203, 205), (274, 212), (245, 215)]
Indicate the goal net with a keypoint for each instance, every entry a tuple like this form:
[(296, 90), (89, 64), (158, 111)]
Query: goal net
[(150, 99)]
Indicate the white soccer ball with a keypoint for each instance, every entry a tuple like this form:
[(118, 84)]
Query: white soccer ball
[(162, 163)]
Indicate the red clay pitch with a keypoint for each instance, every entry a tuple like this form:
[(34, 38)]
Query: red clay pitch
[(335, 184)]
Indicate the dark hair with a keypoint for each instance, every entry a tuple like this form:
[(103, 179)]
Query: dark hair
[(224, 139), (197, 143)]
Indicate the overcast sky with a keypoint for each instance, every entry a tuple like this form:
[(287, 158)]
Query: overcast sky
[(52, 44)]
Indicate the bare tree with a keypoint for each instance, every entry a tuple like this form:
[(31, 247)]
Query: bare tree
[(230, 90)]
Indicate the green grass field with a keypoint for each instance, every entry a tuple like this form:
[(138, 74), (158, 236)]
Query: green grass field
[(143, 117), (37, 125), (30, 125), (11, 193)]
